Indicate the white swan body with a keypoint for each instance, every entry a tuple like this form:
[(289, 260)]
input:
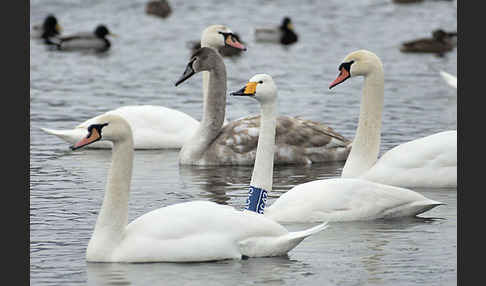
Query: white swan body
[(149, 124), (184, 232), (429, 161), (426, 162), (342, 199), (154, 127), (449, 79), (298, 141)]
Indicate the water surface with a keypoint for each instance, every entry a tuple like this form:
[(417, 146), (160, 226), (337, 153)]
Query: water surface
[(66, 188)]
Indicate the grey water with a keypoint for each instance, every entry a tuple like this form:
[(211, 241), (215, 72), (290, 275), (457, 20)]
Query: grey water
[(148, 56)]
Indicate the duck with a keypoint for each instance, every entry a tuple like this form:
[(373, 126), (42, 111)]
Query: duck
[(95, 40), (155, 126), (325, 201), (50, 28), (225, 51), (441, 42), (159, 8), (284, 34), (299, 141), (193, 231), (449, 79), (428, 162)]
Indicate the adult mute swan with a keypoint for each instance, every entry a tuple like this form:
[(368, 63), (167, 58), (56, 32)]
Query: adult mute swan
[(425, 162), (95, 40), (284, 34), (153, 126), (324, 200), (299, 141), (184, 232)]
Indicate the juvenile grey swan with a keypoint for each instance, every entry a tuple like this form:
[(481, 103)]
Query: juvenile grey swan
[(298, 141), (155, 126)]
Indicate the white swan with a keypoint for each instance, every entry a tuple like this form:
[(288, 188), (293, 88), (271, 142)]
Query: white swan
[(425, 162), (299, 141), (449, 79), (183, 232), (324, 200), (156, 127)]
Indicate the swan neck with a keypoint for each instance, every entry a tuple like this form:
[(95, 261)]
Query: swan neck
[(213, 113), (262, 176), (366, 144), (113, 216)]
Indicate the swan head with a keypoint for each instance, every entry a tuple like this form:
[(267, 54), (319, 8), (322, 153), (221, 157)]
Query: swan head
[(261, 87), (357, 63), (109, 127), (204, 59), (219, 36)]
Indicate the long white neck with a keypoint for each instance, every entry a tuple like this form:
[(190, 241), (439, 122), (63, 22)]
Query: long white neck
[(366, 143), (213, 116), (262, 176), (113, 216)]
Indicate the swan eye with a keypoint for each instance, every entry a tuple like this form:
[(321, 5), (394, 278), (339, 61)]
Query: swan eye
[(261, 81)]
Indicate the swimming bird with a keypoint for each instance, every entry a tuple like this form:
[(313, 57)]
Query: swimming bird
[(440, 43), (50, 28), (159, 8), (225, 51), (184, 232), (154, 126), (299, 141), (323, 200), (284, 34), (429, 161), (95, 40)]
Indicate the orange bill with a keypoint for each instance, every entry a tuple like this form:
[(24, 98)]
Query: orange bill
[(231, 41), (343, 75), (248, 90), (93, 136)]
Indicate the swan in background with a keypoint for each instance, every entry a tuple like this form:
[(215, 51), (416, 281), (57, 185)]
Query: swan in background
[(95, 40), (153, 126), (440, 43), (159, 8), (226, 51), (184, 232), (299, 141), (449, 79), (50, 28), (425, 162), (334, 199), (284, 34)]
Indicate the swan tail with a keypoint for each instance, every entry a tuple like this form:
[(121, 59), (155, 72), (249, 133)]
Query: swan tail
[(277, 246), (412, 209), (449, 79), (71, 136)]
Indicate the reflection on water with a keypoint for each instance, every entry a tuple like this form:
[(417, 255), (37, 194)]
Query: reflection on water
[(268, 271)]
